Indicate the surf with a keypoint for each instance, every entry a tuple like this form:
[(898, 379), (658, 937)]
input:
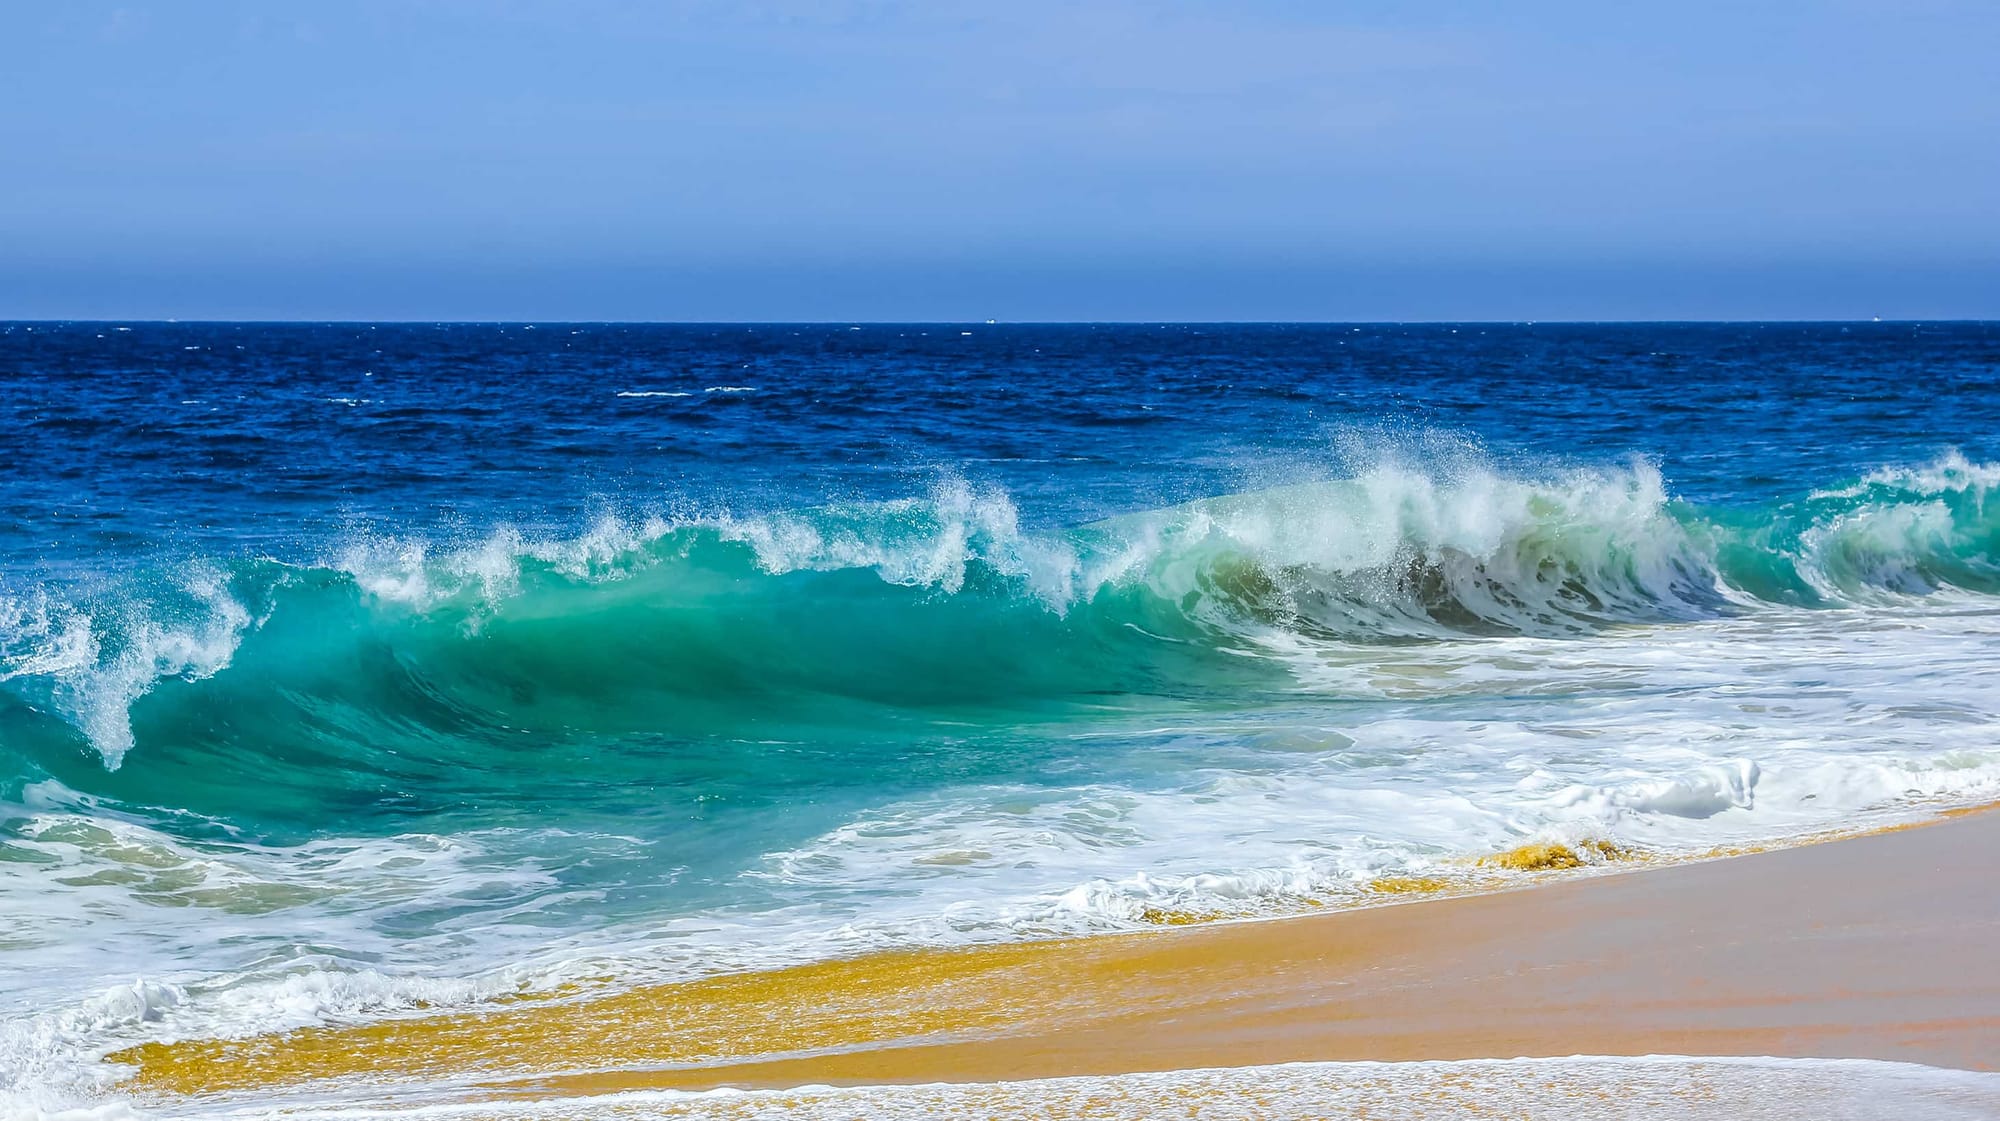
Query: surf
[(942, 606)]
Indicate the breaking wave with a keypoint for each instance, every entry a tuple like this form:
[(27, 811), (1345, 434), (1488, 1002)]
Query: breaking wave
[(725, 624)]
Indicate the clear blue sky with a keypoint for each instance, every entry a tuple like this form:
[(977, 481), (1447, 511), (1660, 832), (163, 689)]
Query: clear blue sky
[(1028, 159)]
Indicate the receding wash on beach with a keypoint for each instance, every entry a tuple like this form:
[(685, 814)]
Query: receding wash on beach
[(833, 560)]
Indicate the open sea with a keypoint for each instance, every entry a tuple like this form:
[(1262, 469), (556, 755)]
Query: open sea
[(350, 671)]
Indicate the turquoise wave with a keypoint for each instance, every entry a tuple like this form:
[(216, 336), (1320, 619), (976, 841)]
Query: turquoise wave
[(381, 678)]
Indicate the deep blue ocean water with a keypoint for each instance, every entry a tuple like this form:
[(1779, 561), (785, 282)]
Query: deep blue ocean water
[(126, 441), (371, 664)]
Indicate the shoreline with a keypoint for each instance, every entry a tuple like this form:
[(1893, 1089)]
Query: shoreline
[(1871, 946)]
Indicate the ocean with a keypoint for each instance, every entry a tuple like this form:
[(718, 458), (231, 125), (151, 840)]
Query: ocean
[(352, 671)]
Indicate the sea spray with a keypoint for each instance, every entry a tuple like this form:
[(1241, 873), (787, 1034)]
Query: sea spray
[(947, 600)]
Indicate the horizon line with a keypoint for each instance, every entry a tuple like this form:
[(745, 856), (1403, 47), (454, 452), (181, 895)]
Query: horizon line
[(862, 323)]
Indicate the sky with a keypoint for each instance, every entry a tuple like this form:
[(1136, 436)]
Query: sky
[(1027, 160)]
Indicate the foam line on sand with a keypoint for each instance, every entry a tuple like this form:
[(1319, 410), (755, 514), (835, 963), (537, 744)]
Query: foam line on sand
[(1876, 947)]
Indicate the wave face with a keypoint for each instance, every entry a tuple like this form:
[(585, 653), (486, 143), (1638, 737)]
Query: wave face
[(352, 671), (719, 626)]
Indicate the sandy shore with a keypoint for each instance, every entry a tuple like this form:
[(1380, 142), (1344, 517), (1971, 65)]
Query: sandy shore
[(1881, 946)]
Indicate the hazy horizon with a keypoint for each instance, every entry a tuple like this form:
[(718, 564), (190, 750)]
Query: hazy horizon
[(142, 321), (841, 161)]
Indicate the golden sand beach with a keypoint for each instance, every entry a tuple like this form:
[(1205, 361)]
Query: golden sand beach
[(1878, 946)]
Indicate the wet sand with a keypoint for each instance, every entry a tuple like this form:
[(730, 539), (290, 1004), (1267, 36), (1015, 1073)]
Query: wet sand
[(1882, 946)]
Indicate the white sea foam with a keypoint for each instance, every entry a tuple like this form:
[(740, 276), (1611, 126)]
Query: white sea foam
[(173, 939), (1950, 473), (410, 574), (94, 666), (929, 542), (1581, 1088)]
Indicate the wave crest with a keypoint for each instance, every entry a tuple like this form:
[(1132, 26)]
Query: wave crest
[(695, 624)]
